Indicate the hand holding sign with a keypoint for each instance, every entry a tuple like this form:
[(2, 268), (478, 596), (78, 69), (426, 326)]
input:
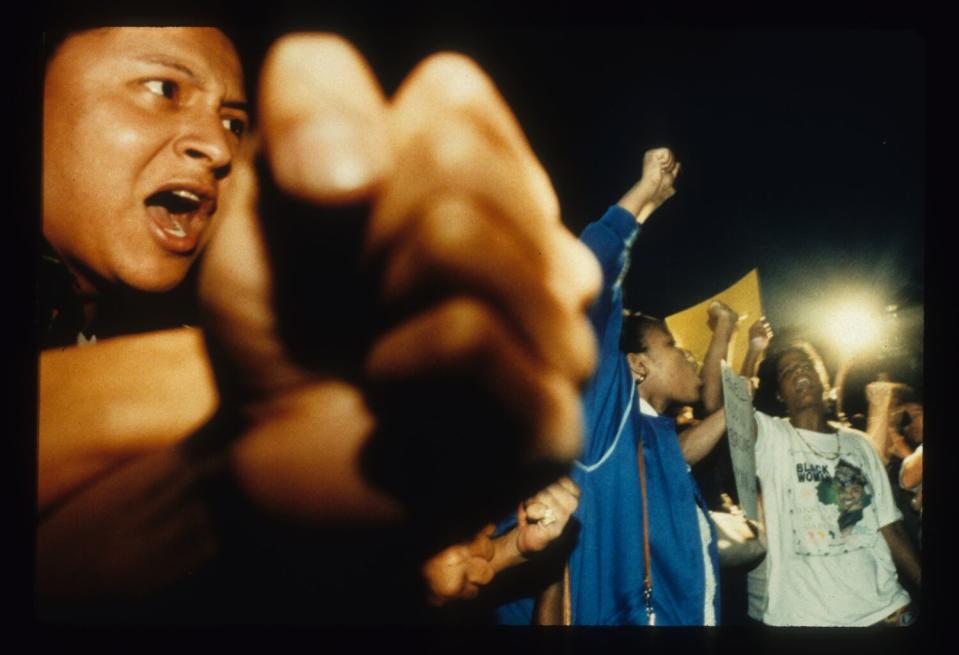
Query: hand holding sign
[(740, 428)]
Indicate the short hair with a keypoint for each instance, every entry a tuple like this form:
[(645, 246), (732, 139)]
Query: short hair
[(766, 399), (251, 46), (636, 325)]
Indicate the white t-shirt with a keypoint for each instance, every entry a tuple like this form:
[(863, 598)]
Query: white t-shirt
[(826, 562)]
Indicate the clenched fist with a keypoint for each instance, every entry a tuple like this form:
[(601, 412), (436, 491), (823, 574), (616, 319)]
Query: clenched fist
[(391, 302), (660, 170)]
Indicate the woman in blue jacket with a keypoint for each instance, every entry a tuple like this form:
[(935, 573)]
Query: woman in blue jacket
[(641, 370)]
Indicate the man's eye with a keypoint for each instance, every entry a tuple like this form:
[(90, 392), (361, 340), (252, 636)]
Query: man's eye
[(165, 88), (235, 125)]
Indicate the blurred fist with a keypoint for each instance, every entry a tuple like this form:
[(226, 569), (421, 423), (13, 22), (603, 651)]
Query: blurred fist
[(458, 572), (880, 392), (387, 269)]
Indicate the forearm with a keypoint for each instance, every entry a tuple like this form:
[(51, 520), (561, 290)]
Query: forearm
[(902, 552), (750, 362), (101, 405), (698, 441), (639, 201), (910, 475), (506, 551), (711, 373), (609, 239), (548, 609), (877, 425)]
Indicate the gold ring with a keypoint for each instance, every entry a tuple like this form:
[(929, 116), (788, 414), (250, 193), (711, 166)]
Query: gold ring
[(549, 517)]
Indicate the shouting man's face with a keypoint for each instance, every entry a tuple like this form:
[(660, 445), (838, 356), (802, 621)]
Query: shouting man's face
[(140, 126), (800, 385)]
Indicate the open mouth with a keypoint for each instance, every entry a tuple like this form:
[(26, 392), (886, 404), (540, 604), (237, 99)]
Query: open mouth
[(180, 214), (803, 383)]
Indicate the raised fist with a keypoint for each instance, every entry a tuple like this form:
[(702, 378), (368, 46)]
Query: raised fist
[(721, 313), (760, 333), (881, 392), (660, 170), (391, 301)]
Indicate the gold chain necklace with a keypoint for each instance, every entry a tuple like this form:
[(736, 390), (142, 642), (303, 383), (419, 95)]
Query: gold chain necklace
[(816, 452)]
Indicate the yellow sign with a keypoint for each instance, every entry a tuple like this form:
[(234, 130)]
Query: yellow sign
[(691, 329)]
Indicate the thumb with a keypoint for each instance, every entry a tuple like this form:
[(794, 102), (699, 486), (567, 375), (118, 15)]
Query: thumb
[(323, 118), (536, 511)]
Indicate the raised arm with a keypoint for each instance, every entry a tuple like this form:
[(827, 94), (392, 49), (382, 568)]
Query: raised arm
[(611, 237), (880, 396), (722, 321), (760, 333), (660, 170), (699, 440)]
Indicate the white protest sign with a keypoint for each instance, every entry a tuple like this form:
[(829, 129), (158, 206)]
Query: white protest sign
[(740, 432)]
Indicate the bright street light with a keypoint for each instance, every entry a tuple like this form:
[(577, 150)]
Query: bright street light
[(854, 326)]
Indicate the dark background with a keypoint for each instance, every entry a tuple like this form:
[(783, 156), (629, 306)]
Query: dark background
[(803, 150), (804, 153)]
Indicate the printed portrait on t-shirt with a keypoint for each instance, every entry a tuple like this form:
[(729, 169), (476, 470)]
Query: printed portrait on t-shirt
[(832, 506), (849, 490)]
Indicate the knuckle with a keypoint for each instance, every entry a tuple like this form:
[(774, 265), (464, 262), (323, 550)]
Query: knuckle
[(457, 104), (446, 228), (313, 52), (452, 81), (467, 325), (443, 153)]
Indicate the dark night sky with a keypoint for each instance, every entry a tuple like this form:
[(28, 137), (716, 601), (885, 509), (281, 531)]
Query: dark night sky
[(803, 151)]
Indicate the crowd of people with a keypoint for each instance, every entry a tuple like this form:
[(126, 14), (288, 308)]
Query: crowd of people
[(350, 367)]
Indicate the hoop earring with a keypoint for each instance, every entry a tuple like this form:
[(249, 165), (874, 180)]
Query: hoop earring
[(640, 377)]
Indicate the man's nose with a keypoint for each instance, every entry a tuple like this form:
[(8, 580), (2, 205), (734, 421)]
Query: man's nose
[(204, 139)]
